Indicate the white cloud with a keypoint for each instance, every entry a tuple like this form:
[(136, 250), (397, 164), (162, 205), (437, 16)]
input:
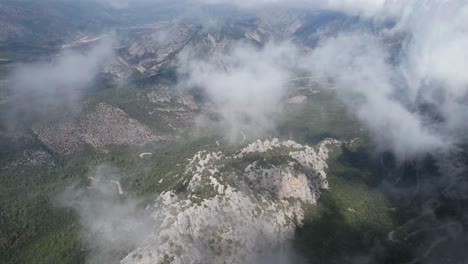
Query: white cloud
[(44, 89), (431, 72), (245, 85), (111, 223), (357, 62), (412, 106)]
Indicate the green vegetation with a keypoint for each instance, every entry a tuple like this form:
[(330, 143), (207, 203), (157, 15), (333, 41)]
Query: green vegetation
[(275, 157), (349, 219), (321, 116), (5, 69), (33, 229), (202, 192), (18, 52), (167, 259), (133, 100), (352, 218)]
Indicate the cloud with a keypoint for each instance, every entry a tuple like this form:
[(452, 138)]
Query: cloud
[(409, 99), (358, 64), (45, 89), (413, 101), (116, 227), (435, 59), (415, 105), (112, 223), (245, 85)]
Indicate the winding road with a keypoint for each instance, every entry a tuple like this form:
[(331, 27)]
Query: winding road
[(119, 186), (144, 154)]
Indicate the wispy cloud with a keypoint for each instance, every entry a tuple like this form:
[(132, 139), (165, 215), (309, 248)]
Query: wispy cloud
[(45, 89), (112, 223), (415, 105), (245, 85)]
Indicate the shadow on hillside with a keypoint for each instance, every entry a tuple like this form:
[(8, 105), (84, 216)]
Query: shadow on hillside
[(329, 236)]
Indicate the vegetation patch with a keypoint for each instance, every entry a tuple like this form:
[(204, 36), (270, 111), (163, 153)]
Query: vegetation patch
[(351, 219)]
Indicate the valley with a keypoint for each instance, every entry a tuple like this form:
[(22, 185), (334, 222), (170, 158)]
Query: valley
[(140, 133)]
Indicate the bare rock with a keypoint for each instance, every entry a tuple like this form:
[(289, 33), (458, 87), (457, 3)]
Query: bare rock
[(234, 223), (105, 126), (297, 99), (109, 125)]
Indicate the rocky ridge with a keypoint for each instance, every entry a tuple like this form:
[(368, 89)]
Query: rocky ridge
[(105, 126), (237, 208)]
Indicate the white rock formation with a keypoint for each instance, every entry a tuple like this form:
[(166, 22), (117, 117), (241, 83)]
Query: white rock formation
[(297, 99), (100, 127), (234, 223)]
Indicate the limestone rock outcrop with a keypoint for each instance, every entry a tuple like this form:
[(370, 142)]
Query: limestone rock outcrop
[(235, 210)]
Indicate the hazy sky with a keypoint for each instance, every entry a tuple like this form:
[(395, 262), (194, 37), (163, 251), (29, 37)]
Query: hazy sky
[(363, 7)]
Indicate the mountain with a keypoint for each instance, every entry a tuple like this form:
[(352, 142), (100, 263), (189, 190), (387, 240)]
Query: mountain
[(172, 133)]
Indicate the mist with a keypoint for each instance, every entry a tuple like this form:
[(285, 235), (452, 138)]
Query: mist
[(409, 100), (112, 223), (407, 84), (246, 85), (412, 101), (412, 106), (368, 84), (48, 90)]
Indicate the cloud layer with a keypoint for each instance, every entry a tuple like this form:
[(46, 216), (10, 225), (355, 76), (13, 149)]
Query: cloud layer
[(410, 99), (45, 89), (112, 223), (245, 85), (416, 104)]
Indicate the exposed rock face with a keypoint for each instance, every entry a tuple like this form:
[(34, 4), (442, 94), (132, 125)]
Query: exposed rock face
[(264, 146), (297, 99), (153, 47), (118, 68), (174, 110), (161, 95), (289, 181), (109, 125), (232, 214), (101, 128), (63, 138)]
